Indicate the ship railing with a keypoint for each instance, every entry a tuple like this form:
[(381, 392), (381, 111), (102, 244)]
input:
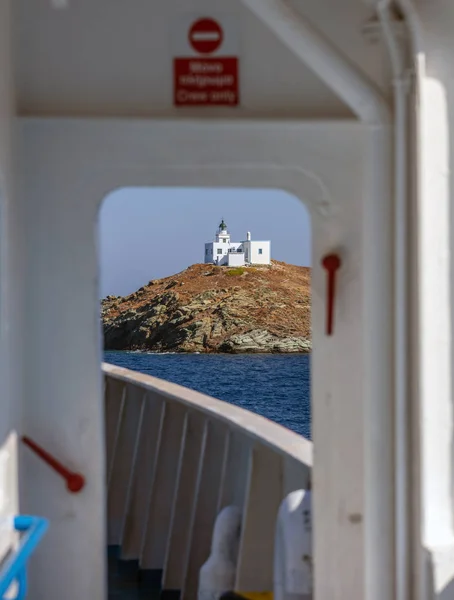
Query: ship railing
[(175, 458), (13, 570)]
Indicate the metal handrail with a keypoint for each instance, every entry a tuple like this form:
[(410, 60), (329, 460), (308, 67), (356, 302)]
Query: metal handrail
[(14, 567)]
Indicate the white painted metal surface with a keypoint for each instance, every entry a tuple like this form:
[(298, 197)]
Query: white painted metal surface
[(293, 549), (78, 79), (218, 574), (434, 286), (314, 160), (10, 287), (8, 494), (187, 456)]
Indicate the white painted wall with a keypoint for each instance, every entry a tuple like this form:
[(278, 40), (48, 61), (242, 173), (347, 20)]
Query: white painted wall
[(222, 235), (67, 167), (253, 248), (8, 258), (433, 323), (235, 259), (10, 292), (218, 251)]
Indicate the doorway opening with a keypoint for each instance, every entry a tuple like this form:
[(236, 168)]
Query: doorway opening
[(208, 289), (239, 328)]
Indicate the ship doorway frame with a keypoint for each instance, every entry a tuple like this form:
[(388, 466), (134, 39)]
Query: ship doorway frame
[(69, 167)]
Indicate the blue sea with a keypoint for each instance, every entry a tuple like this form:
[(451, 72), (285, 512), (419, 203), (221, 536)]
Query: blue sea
[(274, 386)]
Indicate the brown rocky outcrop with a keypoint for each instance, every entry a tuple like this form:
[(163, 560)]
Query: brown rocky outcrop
[(214, 309)]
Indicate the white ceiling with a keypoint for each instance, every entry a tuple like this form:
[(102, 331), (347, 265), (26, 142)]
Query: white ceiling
[(114, 57)]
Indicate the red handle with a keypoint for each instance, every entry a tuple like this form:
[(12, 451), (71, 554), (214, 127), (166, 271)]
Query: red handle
[(74, 481), (331, 263)]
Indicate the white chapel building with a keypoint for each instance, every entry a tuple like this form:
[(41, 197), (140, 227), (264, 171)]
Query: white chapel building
[(236, 254)]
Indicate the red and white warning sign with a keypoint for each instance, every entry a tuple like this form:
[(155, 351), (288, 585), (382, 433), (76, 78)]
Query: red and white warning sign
[(206, 66), (206, 36)]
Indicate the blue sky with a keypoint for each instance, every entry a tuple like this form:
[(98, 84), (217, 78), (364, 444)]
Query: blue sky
[(148, 233)]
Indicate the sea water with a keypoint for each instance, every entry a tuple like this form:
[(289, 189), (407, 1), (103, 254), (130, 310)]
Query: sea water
[(276, 386)]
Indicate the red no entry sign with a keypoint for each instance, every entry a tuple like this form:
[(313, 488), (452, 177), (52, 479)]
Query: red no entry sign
[(205, 36), (206, 64)]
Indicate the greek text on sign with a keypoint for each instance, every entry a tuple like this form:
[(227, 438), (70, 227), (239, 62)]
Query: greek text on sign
[(203, 74), (206, 81)]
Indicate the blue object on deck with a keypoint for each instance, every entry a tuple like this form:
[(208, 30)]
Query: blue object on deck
[(15, 566)]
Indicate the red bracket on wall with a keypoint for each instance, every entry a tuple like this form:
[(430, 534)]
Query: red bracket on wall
[(331, 263), (75, 482)]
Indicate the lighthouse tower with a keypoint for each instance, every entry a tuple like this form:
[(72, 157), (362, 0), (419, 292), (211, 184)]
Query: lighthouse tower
[(222, 235)]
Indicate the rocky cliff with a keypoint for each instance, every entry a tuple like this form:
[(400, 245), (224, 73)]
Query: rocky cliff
[(214, 309)]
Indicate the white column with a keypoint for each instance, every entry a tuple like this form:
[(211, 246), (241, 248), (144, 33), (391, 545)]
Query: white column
[(62, 379), (434, 527)]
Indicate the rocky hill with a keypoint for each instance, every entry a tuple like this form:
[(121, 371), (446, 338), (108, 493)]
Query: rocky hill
[(214, 309)]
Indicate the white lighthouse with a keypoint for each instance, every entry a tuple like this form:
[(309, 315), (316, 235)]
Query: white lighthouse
[(236, 254), (222, 234)]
